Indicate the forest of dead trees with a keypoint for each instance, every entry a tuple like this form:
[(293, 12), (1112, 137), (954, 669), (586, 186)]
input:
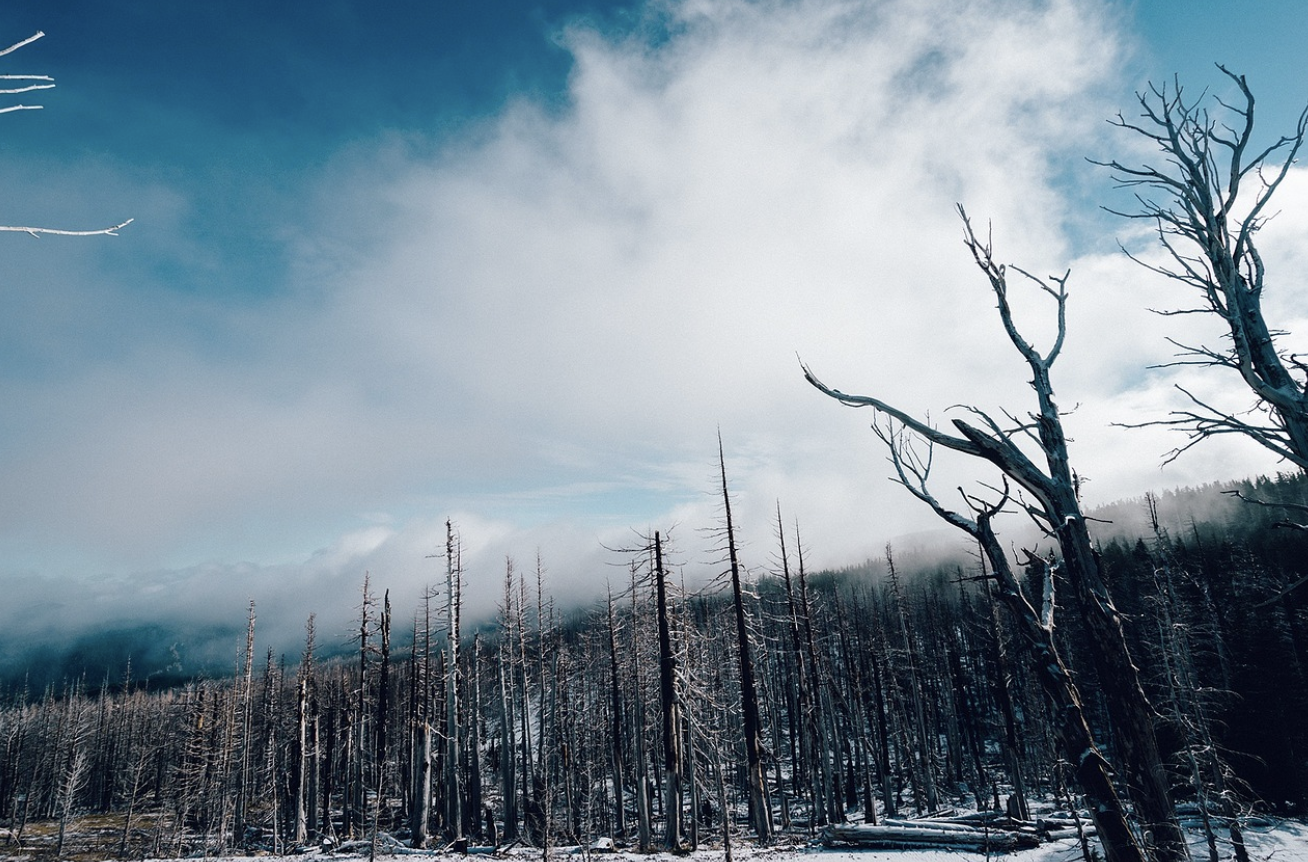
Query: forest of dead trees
[(775, 702)]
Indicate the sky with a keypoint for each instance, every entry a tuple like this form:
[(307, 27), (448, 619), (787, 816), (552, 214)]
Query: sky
[(518, 265)]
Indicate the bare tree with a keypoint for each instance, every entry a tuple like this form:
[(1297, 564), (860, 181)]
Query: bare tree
[(453, 715), (17, 85), (616, 733), (507, 664), (669, 697), (1208, 199), (643, 814), (1091, 771), (760, 809), (1055, 506), (305, 757)]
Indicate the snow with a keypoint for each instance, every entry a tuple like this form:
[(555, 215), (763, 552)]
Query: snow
[(1281, 841)]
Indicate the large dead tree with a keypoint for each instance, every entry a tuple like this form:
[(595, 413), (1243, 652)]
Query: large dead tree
[(1208, 197), (1089, 768), (1051, 498)]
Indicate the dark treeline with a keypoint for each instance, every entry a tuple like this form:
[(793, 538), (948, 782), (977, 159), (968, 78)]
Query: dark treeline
[(868, 696)]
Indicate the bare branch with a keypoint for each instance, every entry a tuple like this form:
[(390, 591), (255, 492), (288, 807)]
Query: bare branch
[(42, 82), (15, 91), (1213, 250), (38, 231), (925, 430), (1267, 504), (29, 40)]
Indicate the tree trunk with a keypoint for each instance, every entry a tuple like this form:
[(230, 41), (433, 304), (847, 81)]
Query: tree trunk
[(616, 736), (759, 809), (453, 751), (672, 754)]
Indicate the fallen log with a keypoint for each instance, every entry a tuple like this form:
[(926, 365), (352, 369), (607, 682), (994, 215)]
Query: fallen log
[(913, 837), (932, 823)]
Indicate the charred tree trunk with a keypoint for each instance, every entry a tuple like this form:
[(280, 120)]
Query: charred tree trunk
[(643, 830), (759, 808), (616, 732), (672, 738)]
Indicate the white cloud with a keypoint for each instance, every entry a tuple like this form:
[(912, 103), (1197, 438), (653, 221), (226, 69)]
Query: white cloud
[(540, 324)]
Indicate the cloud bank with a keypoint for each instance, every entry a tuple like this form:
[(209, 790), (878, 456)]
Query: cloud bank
[(538, 323)]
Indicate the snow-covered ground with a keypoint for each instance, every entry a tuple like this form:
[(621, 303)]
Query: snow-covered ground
[(1283, 841)]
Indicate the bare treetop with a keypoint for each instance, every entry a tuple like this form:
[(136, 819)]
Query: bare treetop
[(1208, 198)]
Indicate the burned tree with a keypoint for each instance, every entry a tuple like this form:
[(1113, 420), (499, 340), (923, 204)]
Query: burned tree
[(673, 754), (1208, 201), (1055, 506), (454, 810), (760, 809), (616, 728), (1036, 628), (305, 756)]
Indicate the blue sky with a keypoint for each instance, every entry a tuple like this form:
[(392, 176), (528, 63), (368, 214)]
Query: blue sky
[(516, 263)]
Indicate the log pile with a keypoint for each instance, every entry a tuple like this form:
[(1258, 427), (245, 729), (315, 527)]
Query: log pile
[(984, 833)]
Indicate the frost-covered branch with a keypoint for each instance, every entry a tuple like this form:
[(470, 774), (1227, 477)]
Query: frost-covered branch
[(41, 82), (51, 231)]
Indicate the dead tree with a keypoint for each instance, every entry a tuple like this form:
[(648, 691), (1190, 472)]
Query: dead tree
[(357, 747), (453, 751), (1054, 504), (244, 702), (73, 770), (760, 809), (420, 746), (380, 740), (472, 808), (1091, 771), (1208, 200), (673, 756), (812, 746), (922, 755), (1002, 685), (643, 828), (616, 732), (1188, 709), (304, 761), (508, 734)]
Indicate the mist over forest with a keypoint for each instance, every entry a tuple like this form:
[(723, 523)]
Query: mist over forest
[(172, 628)]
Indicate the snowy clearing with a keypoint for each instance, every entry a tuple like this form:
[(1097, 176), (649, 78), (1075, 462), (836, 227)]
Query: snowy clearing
[(1284, 841)]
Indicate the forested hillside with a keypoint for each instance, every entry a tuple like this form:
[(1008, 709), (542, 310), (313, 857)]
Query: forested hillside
[(876, 692)]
